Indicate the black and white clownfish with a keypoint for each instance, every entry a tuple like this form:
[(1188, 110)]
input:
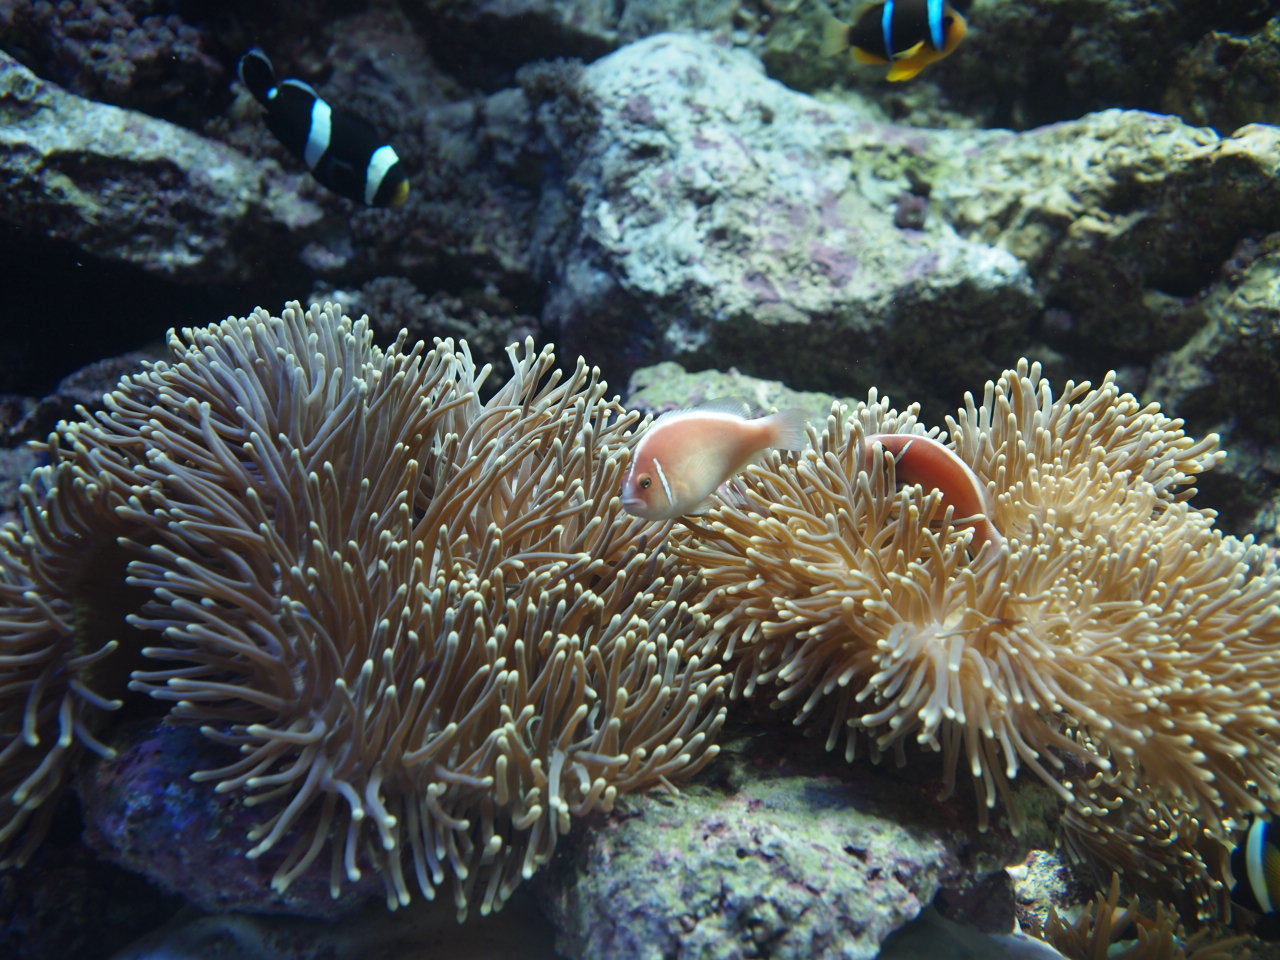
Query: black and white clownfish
[(906, 34), (1255, 864), (342, 150)]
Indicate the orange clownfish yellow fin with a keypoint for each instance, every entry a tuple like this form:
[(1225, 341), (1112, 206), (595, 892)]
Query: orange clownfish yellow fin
[(910, 62), (905, 70)]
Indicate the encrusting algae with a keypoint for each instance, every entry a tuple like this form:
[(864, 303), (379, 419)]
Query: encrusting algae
[(420, 622), (1111, 640)]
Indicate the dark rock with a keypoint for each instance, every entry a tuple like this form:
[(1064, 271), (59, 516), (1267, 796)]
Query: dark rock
[(1228, 80), (1226, 380), (143, 811), (778, 850), (421, 930), (139, 54), (129, 188), (67, 902)]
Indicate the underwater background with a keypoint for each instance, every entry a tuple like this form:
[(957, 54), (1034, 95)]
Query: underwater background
[(704, 200)]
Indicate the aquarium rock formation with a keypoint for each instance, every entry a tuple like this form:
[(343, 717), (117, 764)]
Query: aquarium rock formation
[(689, 197), (127, 187), (780, 854)]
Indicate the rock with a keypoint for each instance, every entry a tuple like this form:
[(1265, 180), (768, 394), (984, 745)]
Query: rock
[(484, 318), (132, 53), (1126, 220), (668, 386), (779, 850), (1228, 79), (143, 811), (1041, 61), (932, 937), (1047, 882), (711, 216), (129, 188), (67, 902), (1225, 380), (421, 930)]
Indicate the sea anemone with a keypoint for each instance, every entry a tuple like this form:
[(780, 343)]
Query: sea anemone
[(58, 625), (420, 622), (1105, 930), (1111, 635)]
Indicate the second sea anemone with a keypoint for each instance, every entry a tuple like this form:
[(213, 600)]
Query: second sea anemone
[(1111, 634)]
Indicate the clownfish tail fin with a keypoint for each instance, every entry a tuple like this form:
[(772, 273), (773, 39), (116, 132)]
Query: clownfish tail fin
[(835, 35), (257, 74), (789, 429)]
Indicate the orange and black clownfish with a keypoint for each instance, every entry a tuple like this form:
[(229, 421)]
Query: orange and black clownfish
[(1255, 864), (906, 34), (342, 151)]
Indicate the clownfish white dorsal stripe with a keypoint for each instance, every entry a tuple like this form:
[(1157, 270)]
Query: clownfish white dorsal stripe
[(686, 454), (342, 151)]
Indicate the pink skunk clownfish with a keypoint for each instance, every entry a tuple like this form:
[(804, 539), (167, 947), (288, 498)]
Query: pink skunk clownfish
[(923, 460), (686, 454), (906, 34)]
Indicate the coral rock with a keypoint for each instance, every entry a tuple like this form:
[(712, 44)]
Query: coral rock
[(773, 853)]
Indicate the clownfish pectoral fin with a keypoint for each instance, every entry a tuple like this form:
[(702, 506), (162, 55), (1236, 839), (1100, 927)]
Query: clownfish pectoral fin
[(699, 509), (906, 69), (835, 36)]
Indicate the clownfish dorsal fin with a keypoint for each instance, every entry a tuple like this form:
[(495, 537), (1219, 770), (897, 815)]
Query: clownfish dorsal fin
[(730, 406), (301, 85)]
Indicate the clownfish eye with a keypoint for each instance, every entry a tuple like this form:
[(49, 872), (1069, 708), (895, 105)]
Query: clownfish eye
[(645, 481)]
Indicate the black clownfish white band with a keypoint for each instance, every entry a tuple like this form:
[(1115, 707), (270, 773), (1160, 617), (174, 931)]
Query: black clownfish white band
[(342, 151), (1255, 862)]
